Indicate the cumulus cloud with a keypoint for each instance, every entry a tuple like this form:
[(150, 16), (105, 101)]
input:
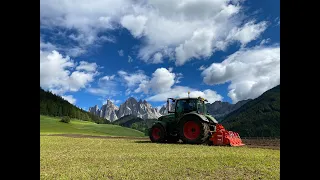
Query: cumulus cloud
[(133, 79), (181, 91), (90, 67), (161, 85), (251, 72), (60, 74), (162, 80), (70, 99), (135, 24), (178, 30)]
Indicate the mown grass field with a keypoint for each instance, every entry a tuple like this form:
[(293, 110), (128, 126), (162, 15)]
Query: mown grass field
[(94, 158), (50, 125), (109, 158)]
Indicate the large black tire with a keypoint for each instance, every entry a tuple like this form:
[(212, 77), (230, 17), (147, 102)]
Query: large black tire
[(157, 133), (194, 131)]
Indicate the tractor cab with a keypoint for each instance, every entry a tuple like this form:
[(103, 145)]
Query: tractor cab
[(186, 105)]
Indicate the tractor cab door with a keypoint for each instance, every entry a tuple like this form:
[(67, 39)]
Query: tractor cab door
[(179, 110), (172, 121)]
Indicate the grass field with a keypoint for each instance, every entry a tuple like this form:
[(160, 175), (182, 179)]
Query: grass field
[(113, 158), (97, 158), (50, 125)]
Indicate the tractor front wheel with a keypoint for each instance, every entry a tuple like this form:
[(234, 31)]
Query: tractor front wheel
[(157, 133), (194, 131)]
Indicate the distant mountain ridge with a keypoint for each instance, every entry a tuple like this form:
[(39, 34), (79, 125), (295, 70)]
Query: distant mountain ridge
[(144, 110), (131, 106), (219, 109), (259, 117)]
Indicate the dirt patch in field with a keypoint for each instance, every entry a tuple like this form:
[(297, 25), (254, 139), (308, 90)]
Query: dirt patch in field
[(263, 143), (254, 143)]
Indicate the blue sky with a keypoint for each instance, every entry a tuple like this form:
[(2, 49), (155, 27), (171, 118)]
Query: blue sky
[(219, 49)]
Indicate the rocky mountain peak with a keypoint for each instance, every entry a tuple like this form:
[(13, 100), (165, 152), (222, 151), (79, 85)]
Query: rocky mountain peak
[(131, 106)]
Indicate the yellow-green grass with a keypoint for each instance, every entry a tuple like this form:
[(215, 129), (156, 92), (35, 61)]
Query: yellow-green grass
[(103, 158), (50, 125)]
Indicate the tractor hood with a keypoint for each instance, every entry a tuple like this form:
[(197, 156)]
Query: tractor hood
[(167, 116), (205, 117), (211, 118)]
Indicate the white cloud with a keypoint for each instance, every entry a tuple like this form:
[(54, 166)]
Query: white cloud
[(70, 99), (157, 58), (162, 80), (107, 86), (135, 24), (178, 77), (102, 91), (120, 52), (88, 19), (181, 91), (74, 51), (90, 67), (133, 79), (107, 78), (265, 41), (70, 50), (56, 73), (178, 30), (130, 59), (202, 67), (47, 46), (161, 86), (250, 31), (251, 72)]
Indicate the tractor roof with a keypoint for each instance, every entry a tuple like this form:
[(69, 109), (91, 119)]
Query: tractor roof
[(200, 98)]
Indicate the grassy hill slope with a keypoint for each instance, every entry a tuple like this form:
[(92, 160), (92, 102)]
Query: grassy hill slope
[(50, 125)]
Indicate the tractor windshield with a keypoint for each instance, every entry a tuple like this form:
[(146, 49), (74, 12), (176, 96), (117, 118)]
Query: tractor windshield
[(186, 105)]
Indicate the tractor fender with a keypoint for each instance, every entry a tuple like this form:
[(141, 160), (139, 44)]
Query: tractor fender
[(195, 115)]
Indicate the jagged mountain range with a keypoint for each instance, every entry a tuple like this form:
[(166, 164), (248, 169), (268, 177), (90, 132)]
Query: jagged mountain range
[(144, 110), (131, 106)]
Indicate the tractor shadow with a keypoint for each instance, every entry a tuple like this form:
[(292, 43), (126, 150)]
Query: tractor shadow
[(149, 142), (179, 142)]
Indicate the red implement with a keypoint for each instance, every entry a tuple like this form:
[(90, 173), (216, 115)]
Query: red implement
[(222, 137)]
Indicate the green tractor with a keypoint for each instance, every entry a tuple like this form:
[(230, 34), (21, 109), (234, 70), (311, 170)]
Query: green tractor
[(188, 120)]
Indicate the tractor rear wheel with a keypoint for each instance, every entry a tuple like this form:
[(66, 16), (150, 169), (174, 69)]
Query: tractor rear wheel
[(194, 131), (157, 133)]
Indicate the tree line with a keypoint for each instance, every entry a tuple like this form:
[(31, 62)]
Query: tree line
[(54, 105)]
